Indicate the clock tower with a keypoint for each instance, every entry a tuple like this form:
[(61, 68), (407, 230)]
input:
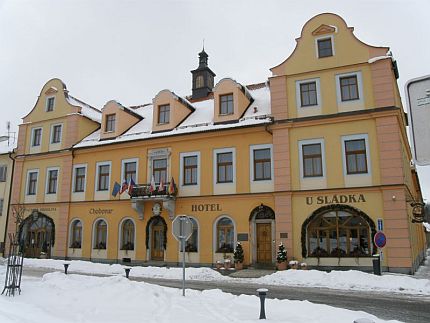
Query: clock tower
[(203, 78)]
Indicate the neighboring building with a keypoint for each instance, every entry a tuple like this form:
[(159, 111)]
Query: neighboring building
[(6, 169), (316, 158), (342, 159)]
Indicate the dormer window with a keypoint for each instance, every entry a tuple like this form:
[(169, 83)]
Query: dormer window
[(110, 123), (50, 104), (226, 104), (325, 47), (164, 114)]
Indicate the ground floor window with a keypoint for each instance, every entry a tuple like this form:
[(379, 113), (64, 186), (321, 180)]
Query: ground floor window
[(127, 235), (225, 235), (76, 235), (338, 234), (100, 234), (192, 243)]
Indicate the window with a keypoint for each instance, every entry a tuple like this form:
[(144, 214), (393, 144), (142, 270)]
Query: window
[(262, 167), (349, 88), (338, 233), (52, 181), (355, 154), (50, 104), (199, 81), (190, 170), (79, 182), (37, 137), (308, 94), (312, 160), (129, 171), (159, 170), (3, 173), (192, 242), (110, 123), (76, 235), (224, 167), (103, 177), (325, 48), (225, 235), (226, 104), (56, 134), (164, 114), (1, 206), (32, 182), (100, 235), (127, 235)]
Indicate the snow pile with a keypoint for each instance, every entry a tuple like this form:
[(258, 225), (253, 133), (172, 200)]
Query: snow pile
[(350, 280), (75, 298)]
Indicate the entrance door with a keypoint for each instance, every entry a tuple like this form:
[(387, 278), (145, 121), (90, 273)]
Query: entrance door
[(36, 242), (157, 248), (264, 243)]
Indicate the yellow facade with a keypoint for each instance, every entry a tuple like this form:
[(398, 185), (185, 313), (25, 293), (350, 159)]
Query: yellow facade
[(262, 164)]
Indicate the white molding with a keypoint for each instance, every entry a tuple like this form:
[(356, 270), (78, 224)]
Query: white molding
[(93, 236), (27, 181), (301, 143), (215, 236), (298, 94), (51, 135), (360, 99), (251, 163), (97, 175), (74, 180), (71, 232), (322, 38), (129, 160), (32, 136), (46, 103), (120, 232), (181, 168), (364, 136), (223, 188), (48, 169)]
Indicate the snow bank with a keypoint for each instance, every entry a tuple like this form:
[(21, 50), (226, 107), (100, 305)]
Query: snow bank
[(59, 298)]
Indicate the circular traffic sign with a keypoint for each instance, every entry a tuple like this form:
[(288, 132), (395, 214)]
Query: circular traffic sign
[(380, 239)]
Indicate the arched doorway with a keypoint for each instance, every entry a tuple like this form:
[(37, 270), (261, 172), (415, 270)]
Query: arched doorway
[(262, 223), (37, 235), (156, 238), (339, 231)]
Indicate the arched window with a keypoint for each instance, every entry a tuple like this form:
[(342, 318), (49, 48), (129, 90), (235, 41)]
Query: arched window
[(100, 234), (199, 81), (338, 233), (127, 235), (225, 235), (76, 234), (192, 242)]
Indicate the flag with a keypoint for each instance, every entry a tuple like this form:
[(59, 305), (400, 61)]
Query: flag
[(152, 185), (131, 185), (171, 189), (116, 189), (161, 187), (123, 187)]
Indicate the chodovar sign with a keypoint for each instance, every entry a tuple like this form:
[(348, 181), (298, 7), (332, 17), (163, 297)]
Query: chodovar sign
[(335, 199)]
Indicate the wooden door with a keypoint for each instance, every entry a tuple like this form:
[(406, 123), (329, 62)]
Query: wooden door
[(264, 243), (35, 242), (157, 247)]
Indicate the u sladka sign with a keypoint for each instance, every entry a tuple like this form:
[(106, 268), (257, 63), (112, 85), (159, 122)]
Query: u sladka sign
[(335, 199)]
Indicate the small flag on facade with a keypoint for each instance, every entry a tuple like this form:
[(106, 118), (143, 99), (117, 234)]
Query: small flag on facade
[(131, 185), (161, 186), (171, 189), (123, 187), (116, 189), (152, 185)]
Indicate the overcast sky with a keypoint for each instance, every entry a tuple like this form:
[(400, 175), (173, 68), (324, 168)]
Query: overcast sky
[(130, 50)]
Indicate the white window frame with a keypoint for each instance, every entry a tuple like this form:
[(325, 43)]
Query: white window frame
[(27, 181), (323, 164), (74, 179), (181, 167), (364, 136), (215, 168), (93, 236), (52, 134), (129, 160), (120, 234), (215, 232), (359, 88), (32, 136), (46, 103), (3, 168), (323, 38), (48, 169), (299, 97), (102, 163), (71, 232), (251, 162)]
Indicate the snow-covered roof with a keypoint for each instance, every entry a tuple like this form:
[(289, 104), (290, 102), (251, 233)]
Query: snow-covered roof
[(7, 148), (200, 120), (86, 110)]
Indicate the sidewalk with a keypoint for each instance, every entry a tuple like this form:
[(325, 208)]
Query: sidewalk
[(424, 270)]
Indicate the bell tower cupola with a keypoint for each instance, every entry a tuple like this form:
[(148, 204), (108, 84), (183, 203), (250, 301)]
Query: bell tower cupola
[(203, 78)]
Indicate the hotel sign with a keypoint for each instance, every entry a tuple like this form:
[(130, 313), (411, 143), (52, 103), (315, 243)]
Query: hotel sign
[(335, 199), (205, 207)]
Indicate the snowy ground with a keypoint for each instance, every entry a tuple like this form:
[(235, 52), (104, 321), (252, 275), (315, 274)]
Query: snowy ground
[(350, 280), (58, 298)]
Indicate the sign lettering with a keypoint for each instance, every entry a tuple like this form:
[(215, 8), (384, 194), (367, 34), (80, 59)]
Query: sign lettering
[(101, 211), (205, 207), (335, 199)]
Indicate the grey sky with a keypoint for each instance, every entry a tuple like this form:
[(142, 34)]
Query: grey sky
[(130, 50)]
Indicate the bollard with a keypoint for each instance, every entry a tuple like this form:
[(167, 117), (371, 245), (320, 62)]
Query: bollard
[(127, 272), (262, 292), (66, 266), (376, 261)]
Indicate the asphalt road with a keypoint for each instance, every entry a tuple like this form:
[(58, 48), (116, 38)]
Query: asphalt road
[(388, 306)]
